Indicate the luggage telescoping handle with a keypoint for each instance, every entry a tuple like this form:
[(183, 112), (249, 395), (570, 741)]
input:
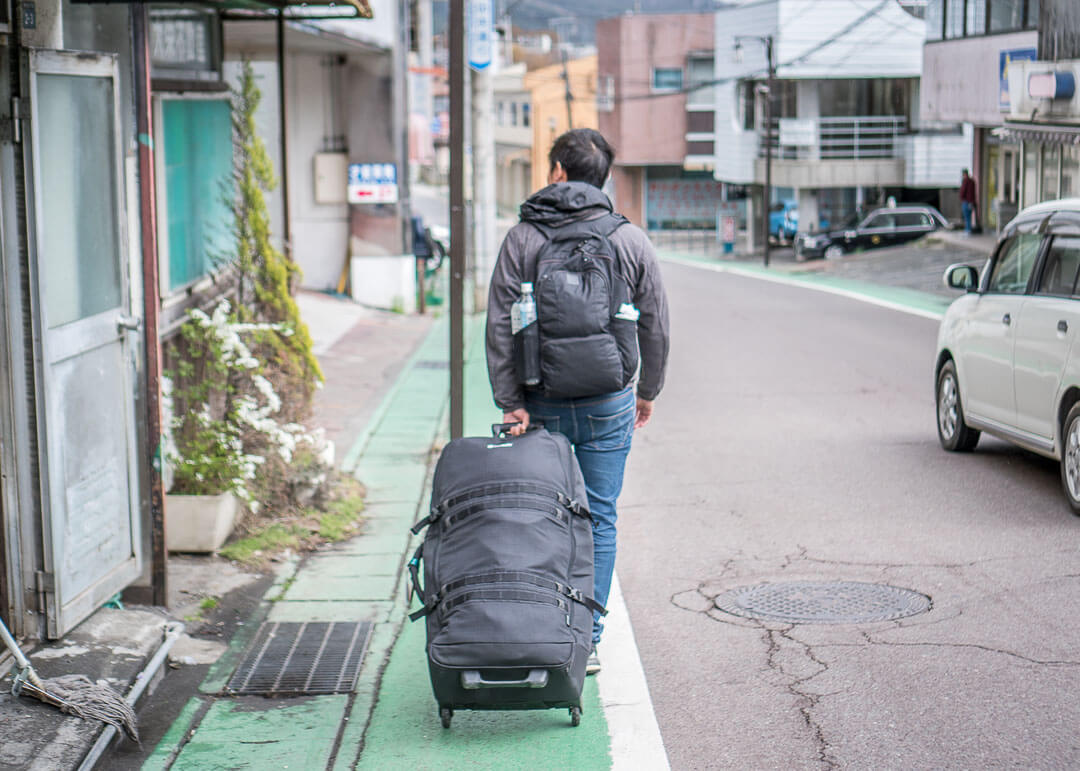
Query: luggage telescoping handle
[(472, 680)]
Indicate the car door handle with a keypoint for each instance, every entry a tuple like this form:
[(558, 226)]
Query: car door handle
[(1063, 326), (1006, 319)]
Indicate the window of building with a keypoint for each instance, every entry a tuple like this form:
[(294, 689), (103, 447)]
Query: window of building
[(605, 93), (935, 19), (500, 113), (746, 105), (196, 135), (1070, 171), (1006, 15), (954, 18), (1013, 268), (513, 113), (526, 110), (700, 72), (784, 102), (1062, 264), (975, 22), (1031, 175), (1051, 158), (667, 79), (950, 19), (843, 97)]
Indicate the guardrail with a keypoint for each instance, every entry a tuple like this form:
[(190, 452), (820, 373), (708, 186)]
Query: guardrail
[(843, 138)]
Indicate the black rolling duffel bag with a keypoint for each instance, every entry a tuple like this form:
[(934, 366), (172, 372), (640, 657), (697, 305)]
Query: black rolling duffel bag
[(508, 575)]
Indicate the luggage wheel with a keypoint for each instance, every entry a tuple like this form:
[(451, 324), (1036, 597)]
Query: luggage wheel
[(575, 716), (445, 714)]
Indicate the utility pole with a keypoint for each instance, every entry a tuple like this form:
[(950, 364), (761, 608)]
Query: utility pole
[(426, 59), (767, 195), (483, 61), (569, 94), (457, 217)]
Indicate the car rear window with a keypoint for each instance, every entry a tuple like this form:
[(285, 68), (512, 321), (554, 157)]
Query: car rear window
[(1062, 264), (1015, 261)]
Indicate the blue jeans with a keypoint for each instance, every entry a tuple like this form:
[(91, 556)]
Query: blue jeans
[(965, 208), (600, 429)]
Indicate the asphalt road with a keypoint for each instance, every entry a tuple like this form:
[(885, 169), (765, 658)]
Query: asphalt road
[(795, 441)]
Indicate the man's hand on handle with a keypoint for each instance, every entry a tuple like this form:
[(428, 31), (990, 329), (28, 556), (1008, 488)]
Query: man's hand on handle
[(519, 416), (644, 412)]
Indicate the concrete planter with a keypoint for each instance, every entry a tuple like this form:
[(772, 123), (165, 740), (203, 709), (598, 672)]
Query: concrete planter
[(199, 523)]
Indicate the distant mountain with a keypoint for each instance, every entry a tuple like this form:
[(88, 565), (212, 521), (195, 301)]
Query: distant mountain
[(574, 20)]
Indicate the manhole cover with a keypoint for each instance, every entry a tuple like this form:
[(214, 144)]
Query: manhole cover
[(823, 602), (290, 659)]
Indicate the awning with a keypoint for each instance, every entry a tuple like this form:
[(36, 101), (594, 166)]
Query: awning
[(290, 9), (1042, 133)]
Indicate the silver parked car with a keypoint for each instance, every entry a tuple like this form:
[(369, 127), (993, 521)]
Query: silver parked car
[(1006, 360)]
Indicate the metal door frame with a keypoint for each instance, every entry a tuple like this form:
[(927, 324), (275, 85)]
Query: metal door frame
[(60, 617)]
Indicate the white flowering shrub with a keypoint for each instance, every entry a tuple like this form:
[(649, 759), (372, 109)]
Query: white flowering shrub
[(226, 426)]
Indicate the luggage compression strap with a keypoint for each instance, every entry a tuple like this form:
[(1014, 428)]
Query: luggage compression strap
[(506, 577), (501, 488)]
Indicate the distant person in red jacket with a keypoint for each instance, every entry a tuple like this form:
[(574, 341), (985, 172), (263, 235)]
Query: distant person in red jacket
[(967, 200)]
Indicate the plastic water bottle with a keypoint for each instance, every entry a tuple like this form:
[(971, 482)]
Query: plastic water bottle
[(526, 336), (523, 311)]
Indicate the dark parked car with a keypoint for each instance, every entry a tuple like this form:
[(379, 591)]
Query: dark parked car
[(882, 227)]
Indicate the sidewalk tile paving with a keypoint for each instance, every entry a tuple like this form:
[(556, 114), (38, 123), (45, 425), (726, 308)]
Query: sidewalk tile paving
[(390, 720)]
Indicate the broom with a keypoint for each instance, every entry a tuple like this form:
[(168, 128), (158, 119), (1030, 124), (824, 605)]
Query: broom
[(74, 694)]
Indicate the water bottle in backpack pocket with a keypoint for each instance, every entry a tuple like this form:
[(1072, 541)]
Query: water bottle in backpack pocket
[(526, 337)]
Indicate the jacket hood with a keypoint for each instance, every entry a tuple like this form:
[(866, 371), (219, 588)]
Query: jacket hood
[(565, 202)]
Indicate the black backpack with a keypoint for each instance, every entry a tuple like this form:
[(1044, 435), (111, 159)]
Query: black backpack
[(584, 305)]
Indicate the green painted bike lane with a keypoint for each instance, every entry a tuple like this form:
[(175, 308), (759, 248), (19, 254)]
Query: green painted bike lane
[(898, 298), (405, 731), (390, 720)]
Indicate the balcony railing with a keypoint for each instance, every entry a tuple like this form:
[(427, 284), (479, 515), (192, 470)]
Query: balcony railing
[(844, 138)]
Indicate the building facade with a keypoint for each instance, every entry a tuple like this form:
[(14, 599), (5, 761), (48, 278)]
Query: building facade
[(995, 64), (660, 125), (562, 96), (513, 138), (116, 157), (847, 132)]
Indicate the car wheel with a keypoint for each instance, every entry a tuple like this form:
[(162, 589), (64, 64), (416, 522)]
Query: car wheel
[(1070, 458), (955, 435), (834, 252)]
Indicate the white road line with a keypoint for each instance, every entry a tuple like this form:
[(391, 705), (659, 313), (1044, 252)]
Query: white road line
[(778, 279), (635, 735)]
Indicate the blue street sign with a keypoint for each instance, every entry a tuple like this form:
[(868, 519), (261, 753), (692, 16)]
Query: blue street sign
[(481, 33), (372, 183)]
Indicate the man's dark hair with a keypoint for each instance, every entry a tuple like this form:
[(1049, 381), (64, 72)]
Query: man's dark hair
[(584, 155)]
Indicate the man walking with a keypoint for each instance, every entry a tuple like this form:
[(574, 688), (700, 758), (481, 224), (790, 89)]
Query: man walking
[(967, 200), (590, 361)]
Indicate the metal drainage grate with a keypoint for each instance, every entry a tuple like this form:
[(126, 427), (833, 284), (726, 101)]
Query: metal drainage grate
[(432, 364), (289, 659), (823, 602)]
